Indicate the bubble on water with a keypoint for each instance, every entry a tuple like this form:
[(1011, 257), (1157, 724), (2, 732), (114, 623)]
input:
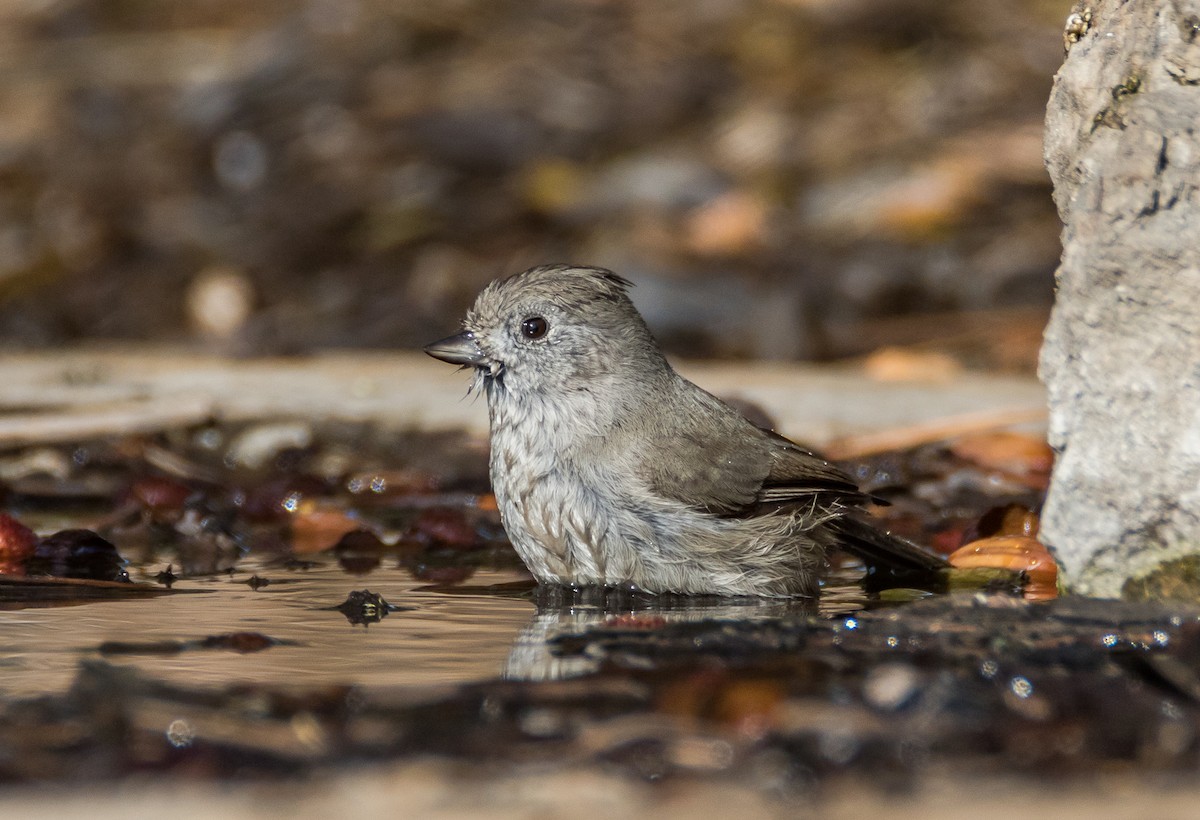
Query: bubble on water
[(181, 733), (1021, 686)]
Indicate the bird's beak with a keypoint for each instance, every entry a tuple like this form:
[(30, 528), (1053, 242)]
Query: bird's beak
[(460, 349)]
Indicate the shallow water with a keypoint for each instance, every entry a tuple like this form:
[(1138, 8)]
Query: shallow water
[(437, 638), (443, 639)]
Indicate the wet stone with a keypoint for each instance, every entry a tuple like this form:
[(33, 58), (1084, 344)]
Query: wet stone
[(77, 554), (364, 607)]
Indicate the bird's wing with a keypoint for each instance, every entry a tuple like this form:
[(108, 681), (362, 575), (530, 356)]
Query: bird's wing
[(704, 470), (709, 457), (712, 459), (798, 474)]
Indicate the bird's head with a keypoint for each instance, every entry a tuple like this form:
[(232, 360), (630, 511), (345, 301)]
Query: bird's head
[(550, 329)]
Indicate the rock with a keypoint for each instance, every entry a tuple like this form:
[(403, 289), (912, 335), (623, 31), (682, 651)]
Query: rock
[(1121, 351), (77, 553)]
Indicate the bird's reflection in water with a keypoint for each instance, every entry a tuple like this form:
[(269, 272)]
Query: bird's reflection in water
[(565, 611)]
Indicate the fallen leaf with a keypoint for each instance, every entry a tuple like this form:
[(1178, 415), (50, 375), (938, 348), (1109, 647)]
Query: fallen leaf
[(1024, 457), (17, 543), (319, 529), (1015, 553)]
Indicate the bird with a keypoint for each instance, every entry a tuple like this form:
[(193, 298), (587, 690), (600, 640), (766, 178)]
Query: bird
[(612, 470)]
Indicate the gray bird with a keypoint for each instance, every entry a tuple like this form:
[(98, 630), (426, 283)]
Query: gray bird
[(610, 468)]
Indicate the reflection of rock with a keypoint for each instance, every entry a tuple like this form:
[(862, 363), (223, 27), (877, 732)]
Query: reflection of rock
[(533, 656)]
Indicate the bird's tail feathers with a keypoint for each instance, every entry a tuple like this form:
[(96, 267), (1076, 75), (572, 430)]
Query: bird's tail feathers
[(882, 550)]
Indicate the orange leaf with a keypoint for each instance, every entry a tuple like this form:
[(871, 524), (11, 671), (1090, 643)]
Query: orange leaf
[(1016, 553), (317, 530)]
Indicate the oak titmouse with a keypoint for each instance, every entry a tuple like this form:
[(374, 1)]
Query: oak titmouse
[(611, 468)]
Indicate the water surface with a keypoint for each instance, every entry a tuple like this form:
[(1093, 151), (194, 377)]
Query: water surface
[(436, 637)]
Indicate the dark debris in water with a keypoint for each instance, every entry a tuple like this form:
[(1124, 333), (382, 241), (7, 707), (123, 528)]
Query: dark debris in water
[(167, 578), (23, 593), (241, 642), (362, 606)]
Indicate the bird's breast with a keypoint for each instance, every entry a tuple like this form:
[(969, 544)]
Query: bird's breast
[(561, 513)]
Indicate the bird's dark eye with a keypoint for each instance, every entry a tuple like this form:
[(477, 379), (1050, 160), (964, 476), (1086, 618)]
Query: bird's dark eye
[(534, 327)]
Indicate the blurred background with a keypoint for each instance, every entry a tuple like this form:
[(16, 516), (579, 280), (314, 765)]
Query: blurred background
[(792, 179)]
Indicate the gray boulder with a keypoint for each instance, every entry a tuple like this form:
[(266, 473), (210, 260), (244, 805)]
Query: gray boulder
[(1121, 359)]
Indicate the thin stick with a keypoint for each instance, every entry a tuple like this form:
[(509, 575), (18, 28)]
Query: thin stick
[(116, 419)]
